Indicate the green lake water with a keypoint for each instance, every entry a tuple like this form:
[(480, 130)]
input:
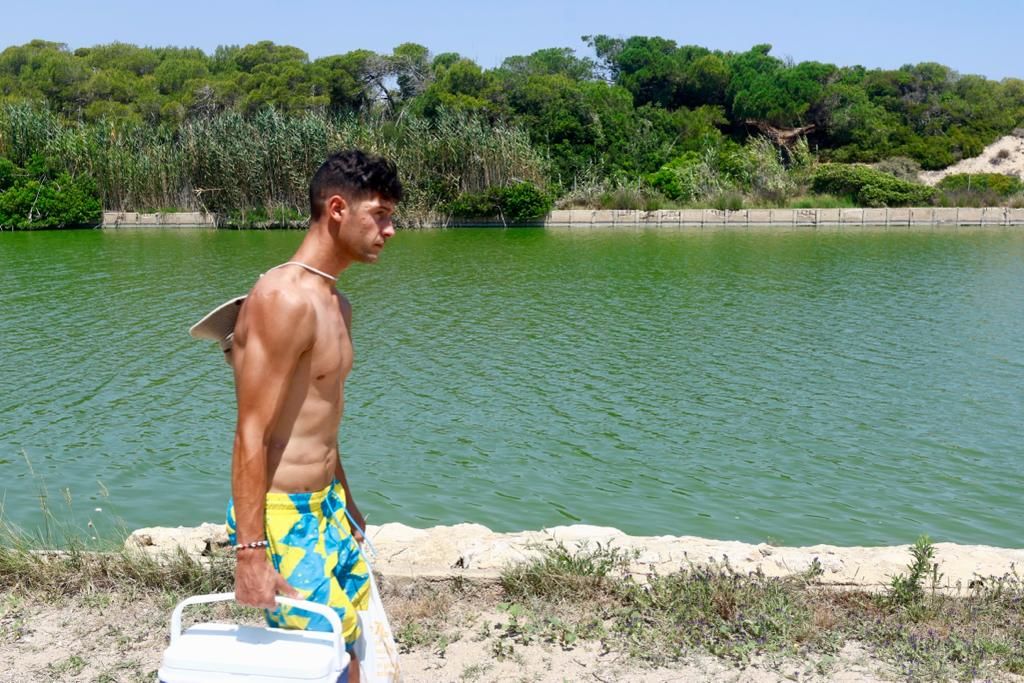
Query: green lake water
[(792, 387)]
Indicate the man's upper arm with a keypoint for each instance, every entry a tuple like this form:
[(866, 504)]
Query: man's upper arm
[(280, 327)]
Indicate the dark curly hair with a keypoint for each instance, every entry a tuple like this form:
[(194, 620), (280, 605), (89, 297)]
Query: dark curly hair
[(355, 175)]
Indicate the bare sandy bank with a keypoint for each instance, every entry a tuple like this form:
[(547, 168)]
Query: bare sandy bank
[(473, 551), (1005, 155)]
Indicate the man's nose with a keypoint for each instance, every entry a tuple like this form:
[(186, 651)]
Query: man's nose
[(389, 230)]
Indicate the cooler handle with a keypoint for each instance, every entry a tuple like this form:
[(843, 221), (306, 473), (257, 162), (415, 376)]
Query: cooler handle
[(326, 612)]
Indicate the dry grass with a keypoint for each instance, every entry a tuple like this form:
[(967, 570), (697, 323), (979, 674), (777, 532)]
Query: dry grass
[(565, 596)]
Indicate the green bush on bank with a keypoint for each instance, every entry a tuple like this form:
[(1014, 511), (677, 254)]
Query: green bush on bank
[(519, 203), (903, 168), (868, 186), (42, 196), (999, 183), (758, 171)]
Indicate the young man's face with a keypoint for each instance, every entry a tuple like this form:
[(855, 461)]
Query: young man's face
[(366, 226)]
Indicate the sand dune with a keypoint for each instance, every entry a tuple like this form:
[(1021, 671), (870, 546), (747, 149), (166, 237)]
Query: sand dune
[(1005, 155)]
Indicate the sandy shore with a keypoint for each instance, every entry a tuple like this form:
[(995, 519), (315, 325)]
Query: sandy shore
[(115, 638), (453, 571), (472, 551)]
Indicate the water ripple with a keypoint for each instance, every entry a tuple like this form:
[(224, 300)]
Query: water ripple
[(803, 388)]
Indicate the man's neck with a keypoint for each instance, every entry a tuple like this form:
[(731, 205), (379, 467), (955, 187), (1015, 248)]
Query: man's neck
[(318, 251)]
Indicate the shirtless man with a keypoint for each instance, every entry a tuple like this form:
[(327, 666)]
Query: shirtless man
[(291, 353)]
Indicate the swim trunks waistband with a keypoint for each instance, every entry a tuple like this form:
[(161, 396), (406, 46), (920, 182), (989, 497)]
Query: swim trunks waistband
[(307, 500)]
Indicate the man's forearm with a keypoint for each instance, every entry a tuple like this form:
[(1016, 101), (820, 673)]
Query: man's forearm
[(249, 489)]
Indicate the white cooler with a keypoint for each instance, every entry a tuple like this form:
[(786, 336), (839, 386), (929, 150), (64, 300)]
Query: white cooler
[(230, 653)]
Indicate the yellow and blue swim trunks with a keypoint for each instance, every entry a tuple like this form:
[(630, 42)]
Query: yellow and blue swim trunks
[(312, 547)]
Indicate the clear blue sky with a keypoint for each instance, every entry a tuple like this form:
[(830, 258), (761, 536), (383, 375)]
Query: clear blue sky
[(973, 37)]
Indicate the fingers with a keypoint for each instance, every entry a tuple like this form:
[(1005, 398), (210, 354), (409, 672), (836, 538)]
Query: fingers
[(258, 585), (255, 600), (286, 590)]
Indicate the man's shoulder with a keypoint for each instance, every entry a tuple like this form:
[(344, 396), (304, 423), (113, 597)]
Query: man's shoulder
[(277, 296)]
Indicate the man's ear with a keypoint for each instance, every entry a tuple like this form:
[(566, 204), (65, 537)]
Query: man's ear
[(335, 205)]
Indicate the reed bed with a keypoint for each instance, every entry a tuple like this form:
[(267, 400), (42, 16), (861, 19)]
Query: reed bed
[(239, 166)]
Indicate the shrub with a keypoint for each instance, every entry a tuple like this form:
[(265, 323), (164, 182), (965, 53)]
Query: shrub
[(999, 183), (728, 201), (474, 205), (519, 203), (757, 169), (614, 194), (524, 202), (8, 173), (39, 197), (630, 197), (975, 198), (868, 186), (760, 171), (694, 177), (903, 168), (675, 179)]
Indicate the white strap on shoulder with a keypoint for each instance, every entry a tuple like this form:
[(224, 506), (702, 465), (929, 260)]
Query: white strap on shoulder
[(307, 267)]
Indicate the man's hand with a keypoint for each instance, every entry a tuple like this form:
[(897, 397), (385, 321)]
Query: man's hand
[(360, 524), (256, 582)]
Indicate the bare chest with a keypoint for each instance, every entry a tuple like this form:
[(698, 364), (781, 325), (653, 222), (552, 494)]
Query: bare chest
[(331, 355)]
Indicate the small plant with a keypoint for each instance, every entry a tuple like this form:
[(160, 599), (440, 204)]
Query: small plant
[(412, 635), (907, 590), (502, 650), (474, 672), (72, 666)]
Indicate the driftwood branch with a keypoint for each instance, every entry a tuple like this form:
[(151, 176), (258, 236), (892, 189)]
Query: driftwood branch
[(32, 208), (783, 137), (199, 196)]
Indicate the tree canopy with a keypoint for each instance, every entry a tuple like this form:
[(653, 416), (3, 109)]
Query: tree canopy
[(634, 106)]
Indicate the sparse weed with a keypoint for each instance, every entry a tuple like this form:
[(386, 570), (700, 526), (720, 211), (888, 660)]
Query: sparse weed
[(925, 634), (474, 672), (906, 591), (561, 573)]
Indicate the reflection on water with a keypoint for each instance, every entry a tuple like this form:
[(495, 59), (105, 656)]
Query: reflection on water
[(803, 388)]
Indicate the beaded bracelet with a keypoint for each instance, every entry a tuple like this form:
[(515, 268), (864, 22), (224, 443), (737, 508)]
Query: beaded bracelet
[(251, 544)]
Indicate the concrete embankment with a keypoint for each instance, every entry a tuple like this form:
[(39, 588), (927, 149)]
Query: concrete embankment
[(134, 219), (472, 551), (685, 219), (789, 219)]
